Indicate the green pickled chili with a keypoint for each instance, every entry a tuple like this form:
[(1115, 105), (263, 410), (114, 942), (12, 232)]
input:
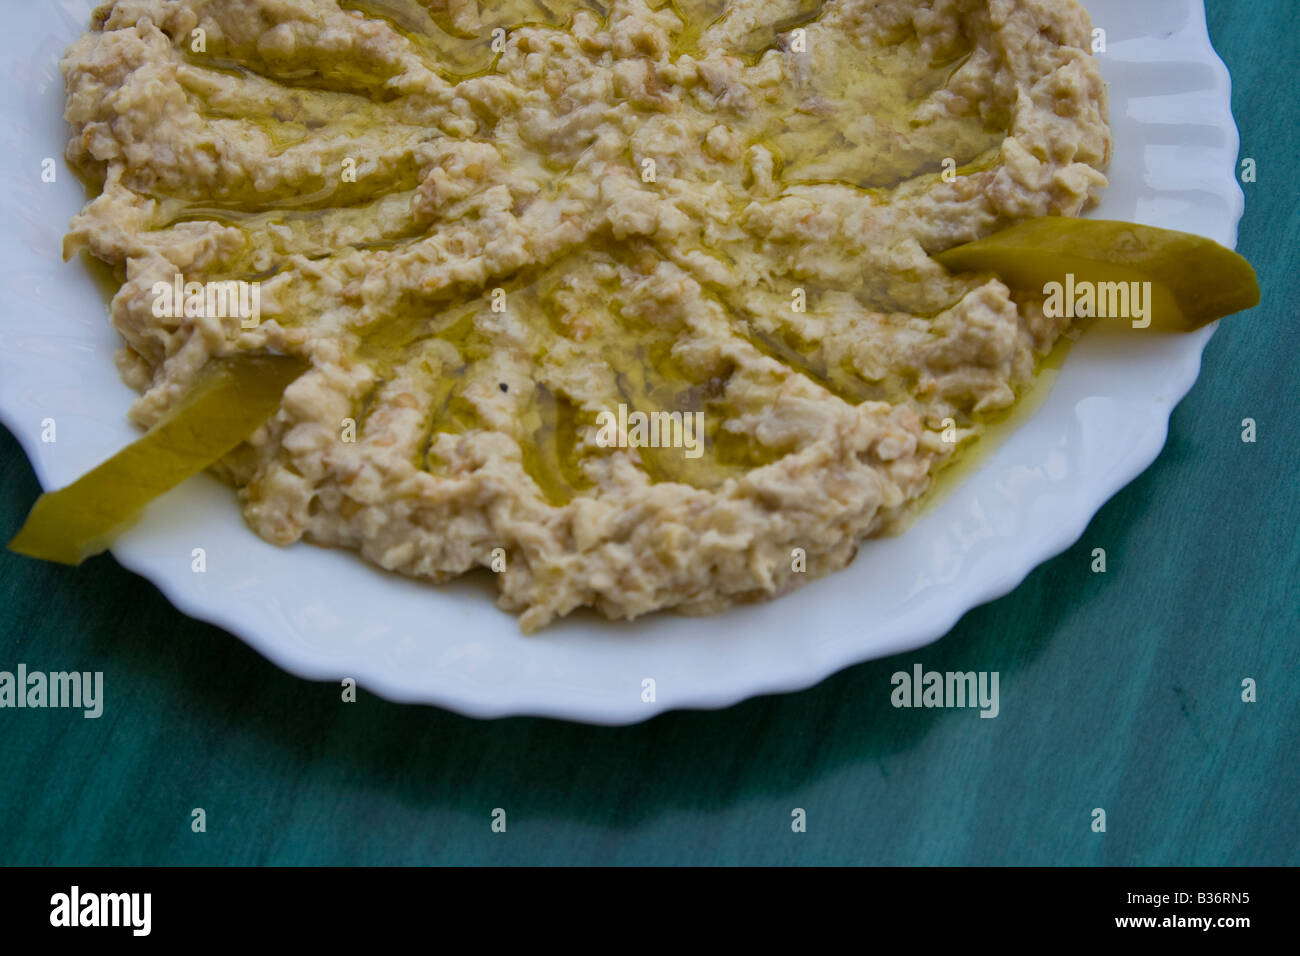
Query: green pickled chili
[(231, 398), (1193, 280)]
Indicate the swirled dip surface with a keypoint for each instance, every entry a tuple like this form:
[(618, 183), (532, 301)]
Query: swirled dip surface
[(486, 224)]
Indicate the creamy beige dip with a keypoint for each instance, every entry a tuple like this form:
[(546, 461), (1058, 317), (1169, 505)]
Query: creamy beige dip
[(495, 228)]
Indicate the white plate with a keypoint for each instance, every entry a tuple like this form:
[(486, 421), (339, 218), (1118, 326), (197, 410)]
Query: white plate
[(326, 615)]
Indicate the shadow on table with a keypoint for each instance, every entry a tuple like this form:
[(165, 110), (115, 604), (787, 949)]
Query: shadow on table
[(605, 776)]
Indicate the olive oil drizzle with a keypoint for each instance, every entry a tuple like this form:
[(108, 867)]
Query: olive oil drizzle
[(803, 131)]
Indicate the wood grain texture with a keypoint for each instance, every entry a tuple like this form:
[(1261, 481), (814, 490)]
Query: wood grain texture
[(1119, 691)]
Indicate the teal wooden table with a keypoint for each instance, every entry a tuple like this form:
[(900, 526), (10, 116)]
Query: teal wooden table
[(1120, 691)]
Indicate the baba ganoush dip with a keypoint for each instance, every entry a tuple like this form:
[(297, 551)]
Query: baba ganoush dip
[(628, 302)]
